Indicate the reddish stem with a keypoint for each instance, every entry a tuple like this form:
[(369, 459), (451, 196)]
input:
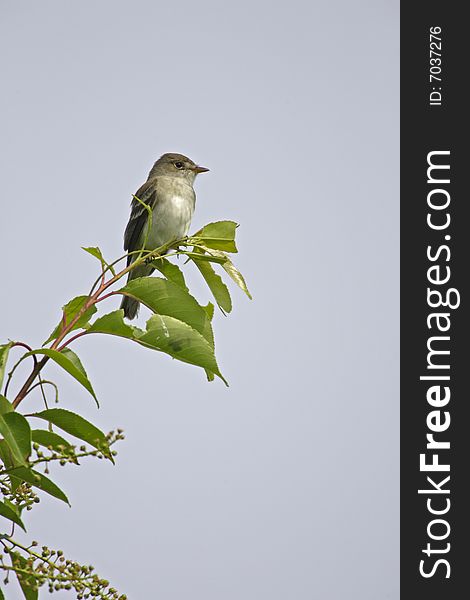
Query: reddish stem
[(74, 337), (35, 361), (93, 299)]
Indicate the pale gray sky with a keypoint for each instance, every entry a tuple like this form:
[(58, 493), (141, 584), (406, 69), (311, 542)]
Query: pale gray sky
[(285, 485)]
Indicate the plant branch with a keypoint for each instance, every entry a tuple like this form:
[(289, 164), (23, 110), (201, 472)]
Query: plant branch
[(34, 373), (10, 374), (41, 383), (92, 299)]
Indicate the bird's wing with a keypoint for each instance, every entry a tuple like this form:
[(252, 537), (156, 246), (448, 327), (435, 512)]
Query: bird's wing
[(139, 216)]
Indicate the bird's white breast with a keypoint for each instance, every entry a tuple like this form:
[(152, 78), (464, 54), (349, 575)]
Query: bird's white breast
[(172, 215)]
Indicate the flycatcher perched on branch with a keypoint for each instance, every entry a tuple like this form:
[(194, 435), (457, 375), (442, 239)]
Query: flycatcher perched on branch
[(170, 195)]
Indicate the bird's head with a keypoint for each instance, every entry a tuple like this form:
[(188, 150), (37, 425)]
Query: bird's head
[(176, 165)]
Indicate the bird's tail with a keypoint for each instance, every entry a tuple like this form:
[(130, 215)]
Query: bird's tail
[(128, 304)]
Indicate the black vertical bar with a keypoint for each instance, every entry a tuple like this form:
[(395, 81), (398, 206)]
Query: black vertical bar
[(434, 119)]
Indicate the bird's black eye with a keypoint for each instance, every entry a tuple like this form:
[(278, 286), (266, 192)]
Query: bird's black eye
[(179, 165)]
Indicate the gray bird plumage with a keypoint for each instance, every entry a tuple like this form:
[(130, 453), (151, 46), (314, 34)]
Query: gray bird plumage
[(169, 192)]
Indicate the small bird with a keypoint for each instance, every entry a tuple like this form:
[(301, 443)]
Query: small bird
[(169, 192)]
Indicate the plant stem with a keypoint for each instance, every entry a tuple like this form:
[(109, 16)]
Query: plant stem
[(92, 299), (34, 373), (10, 374)]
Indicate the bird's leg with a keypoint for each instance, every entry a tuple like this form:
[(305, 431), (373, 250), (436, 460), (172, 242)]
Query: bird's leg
[(154, 258), (177, 249)]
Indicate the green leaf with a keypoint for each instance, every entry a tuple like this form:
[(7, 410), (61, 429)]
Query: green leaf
[(219, 235), (96, 252), (209, 308), (2, 597), (210, 375), (49, 439), (114, 324), (211, 257), (237, 277), (71, 309), (17, 435), (5, 454), (75, 425), (69, 361), (180, 341), (7, 458), (4, 350), (216, 285), (5, 405), (27, 583), (234, 273), (164, 297), (170, 271), (9, 513), (40, 481)]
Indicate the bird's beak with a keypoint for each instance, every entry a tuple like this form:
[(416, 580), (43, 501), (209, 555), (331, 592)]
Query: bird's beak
[(197, 169)]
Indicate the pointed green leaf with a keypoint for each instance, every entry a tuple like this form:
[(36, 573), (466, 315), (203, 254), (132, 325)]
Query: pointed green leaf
[(114, 324), (5, 405), (28, 583), (167, 298), (210, 257), (180, 341), (73, 358), (17, 435), (71, 310), (49, 439), (9, 513), (40, 481), (216, 285), (69, 361), (170, 271), (219, 235), (8, 460), (237, 277), (232, 270), (2, 597), (210, 376), (6, 455), (209, 308), (96, 252), (75, 425), (4, 350)]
